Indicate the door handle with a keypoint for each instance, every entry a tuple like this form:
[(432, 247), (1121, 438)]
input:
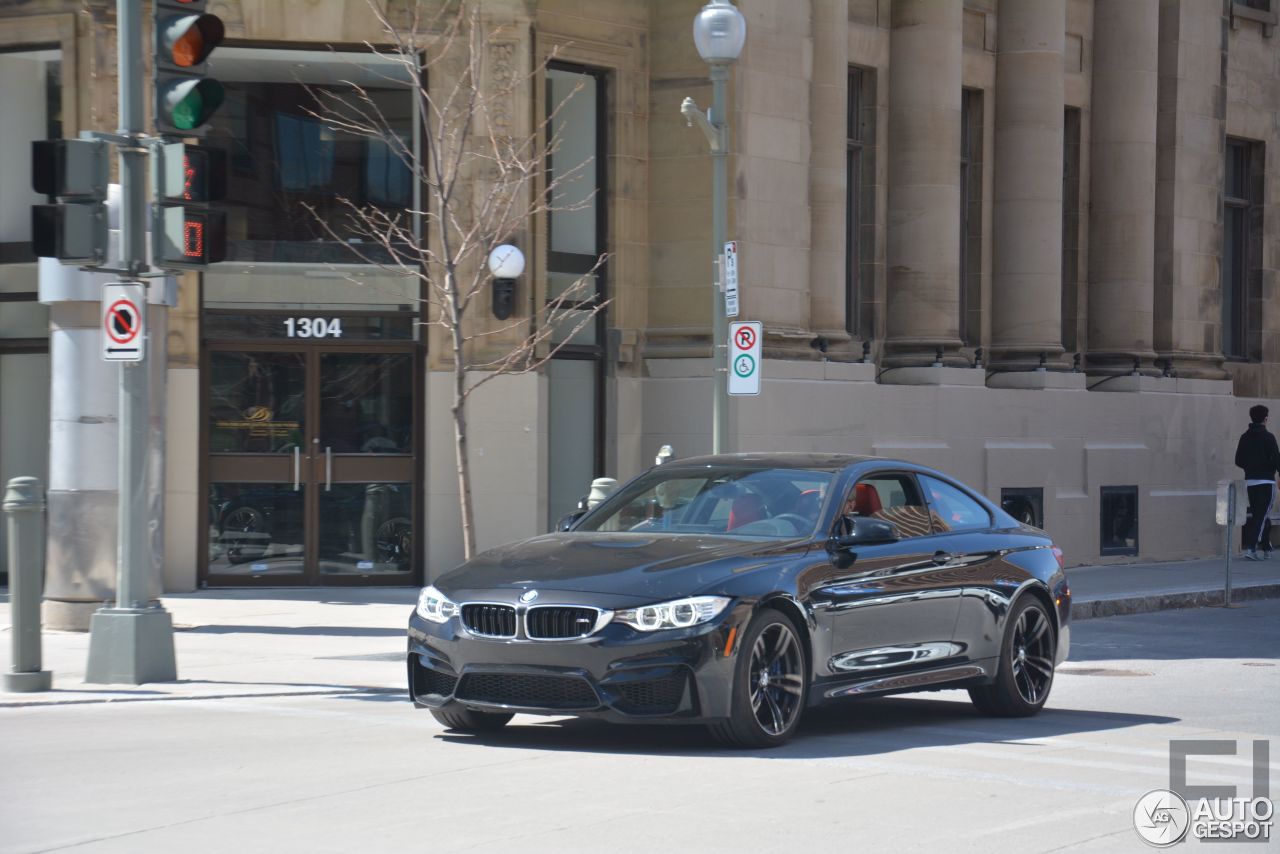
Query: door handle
[(297, 467), (328, 468), (942, 558)]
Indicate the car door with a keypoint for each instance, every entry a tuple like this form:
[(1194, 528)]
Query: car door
[(977, 562), (894, 607)]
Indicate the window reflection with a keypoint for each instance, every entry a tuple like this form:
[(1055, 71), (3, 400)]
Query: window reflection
[(283, 154), (256, 402), (367, 528), (366, 403), (255, 529)]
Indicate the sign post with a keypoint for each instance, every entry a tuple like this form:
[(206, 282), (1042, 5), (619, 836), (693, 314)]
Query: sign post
[(1231, 503), (124, 321), (745, 348), (130, 640)]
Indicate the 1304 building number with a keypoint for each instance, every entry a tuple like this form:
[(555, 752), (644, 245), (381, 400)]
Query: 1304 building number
[(313, 327)]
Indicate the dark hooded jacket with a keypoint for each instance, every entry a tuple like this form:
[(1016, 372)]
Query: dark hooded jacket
[(1258, 453)]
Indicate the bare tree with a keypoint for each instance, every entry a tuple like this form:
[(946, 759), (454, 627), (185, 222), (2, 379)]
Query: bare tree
[(480, 190)]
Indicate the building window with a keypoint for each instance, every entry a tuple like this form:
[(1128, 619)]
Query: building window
[(283, 155), (31, 90), (1119, 518), (1241, 271), (971, 216), (1024, 503), (1261, 11), (859, 239), (1071, 315), (577, 228)]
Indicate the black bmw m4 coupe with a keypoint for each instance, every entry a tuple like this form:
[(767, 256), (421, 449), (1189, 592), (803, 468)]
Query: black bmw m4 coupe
[(735, 591)]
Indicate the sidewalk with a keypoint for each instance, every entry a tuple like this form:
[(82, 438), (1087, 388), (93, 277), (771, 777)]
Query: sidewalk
[(351, 641), (1105, 591)]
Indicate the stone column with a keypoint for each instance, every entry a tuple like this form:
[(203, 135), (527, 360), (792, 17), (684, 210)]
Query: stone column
[(1189, 177), (1026, 304), (1123, 186), (828, 113), (923, 245)]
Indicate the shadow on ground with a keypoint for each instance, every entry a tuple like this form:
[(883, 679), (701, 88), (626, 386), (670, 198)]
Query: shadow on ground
[(406, 596), (59, 697), (866, 727), (334, 631)]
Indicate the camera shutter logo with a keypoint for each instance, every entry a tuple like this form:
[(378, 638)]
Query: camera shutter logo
[(1161, 818)]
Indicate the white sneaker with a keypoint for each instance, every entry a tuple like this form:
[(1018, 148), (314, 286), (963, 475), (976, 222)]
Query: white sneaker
[(1250, 554)]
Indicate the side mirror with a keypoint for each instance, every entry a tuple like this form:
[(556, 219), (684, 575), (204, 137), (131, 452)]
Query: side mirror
[(568, 520), (862, 531)]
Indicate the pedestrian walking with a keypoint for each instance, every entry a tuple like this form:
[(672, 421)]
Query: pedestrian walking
[(1259, 456)]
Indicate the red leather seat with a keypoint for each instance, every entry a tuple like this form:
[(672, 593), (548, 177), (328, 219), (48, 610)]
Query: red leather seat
[(745, 509), (866, 500)]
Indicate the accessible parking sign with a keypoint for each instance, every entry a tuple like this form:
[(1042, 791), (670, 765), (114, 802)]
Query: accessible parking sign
[(744, 357)]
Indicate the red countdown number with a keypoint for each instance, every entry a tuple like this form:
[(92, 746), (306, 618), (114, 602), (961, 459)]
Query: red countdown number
[(188, 176), (193, 238)]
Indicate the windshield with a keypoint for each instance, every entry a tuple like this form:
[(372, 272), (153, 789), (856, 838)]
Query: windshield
[(739, 501)]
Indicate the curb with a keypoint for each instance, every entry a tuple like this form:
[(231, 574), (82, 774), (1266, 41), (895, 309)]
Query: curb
[(1170, 601)]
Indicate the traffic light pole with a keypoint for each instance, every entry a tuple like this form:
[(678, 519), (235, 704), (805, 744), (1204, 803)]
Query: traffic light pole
[(132, 643)]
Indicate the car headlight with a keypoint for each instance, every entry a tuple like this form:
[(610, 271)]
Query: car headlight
[(434, 606), (676, 614)]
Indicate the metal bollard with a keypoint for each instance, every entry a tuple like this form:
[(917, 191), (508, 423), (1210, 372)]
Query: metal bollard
[(24, 506)]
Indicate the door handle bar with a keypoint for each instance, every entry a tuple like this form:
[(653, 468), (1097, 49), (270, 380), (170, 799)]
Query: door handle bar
[(328, 468), (297, 467)]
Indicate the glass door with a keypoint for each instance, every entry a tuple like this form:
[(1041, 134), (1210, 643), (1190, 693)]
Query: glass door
[(310, 472), (365, 444)]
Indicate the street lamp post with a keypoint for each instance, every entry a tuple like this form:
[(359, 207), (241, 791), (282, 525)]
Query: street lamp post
[(719, 32)]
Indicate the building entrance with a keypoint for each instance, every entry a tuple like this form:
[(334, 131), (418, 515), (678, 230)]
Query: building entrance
[(310, 450)]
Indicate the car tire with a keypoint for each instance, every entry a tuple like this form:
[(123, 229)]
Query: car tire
[(766, 715), (469, 720), (1024, 676)]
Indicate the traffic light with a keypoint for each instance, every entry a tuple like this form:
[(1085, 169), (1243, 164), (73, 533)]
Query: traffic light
[(76, 172), (185, 36), (188, 234)]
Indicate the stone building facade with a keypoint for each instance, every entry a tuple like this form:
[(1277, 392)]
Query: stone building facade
[(1033, 242)]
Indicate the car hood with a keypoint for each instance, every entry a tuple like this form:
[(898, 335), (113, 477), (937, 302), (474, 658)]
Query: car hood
[(649, 567)]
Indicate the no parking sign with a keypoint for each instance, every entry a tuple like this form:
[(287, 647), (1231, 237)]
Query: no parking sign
[(744, 357), (123, 321)]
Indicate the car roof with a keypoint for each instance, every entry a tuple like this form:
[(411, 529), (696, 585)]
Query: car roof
[(778, 459)]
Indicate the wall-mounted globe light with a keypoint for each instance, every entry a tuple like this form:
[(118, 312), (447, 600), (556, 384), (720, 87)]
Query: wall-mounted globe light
[(506, 263), (719, 32)]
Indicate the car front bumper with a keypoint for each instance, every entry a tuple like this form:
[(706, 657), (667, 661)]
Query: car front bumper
[(619, 673)]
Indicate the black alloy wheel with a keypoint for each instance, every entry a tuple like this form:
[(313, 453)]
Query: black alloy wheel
[(770, 684), (469, 720), (1025, 675)]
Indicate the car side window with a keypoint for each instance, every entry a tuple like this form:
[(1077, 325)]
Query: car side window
[(892, 497), (952, 509)]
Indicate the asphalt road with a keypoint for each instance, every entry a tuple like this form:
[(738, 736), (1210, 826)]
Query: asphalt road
[(364, 772)]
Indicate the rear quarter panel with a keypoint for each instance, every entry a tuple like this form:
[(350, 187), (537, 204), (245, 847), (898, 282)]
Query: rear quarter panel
[(1021, 563)]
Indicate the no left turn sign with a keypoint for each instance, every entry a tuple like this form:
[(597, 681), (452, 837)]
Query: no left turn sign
[(123, 321)]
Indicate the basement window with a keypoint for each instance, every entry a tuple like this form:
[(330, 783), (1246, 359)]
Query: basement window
[(1119, 520)]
